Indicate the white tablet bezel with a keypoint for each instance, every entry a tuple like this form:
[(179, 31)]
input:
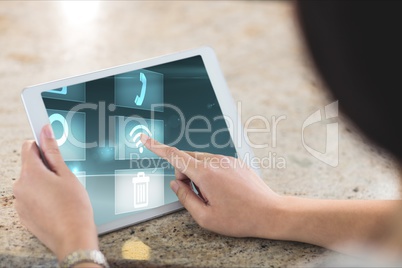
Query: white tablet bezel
[(38, 117)]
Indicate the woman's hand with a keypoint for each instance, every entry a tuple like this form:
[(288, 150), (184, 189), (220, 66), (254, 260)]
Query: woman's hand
[(233, 200), (51, 202)]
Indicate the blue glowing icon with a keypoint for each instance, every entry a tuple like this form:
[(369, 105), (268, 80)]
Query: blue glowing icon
[(136, 133), (56, 117), (140, 99), (70, 93), (69, 131), (139, 89), (63, 91), (128, 145)]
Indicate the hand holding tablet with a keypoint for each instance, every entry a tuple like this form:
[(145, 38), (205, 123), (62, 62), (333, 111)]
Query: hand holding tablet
[(89, 131), (70, 224), (52, 204), (180, 99)]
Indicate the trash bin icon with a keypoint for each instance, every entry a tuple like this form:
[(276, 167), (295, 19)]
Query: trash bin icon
[(141, 188)]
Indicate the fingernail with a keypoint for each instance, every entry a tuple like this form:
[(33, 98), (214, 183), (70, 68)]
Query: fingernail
[(144, 138), (48, 131), (174, 185)]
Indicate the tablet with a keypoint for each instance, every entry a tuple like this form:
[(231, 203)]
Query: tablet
[(179, 99)]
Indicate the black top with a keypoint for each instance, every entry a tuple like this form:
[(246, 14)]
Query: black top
[(357, 48)]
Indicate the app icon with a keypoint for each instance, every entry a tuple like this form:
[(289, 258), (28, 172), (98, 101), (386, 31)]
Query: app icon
[(139, 189), (140, 99), (74, 93), (69, 131), (56, 117), (136, 134), (128, 130), (62, 91), (141, 195), (140, 89)]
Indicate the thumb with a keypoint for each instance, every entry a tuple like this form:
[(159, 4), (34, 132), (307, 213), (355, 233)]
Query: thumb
[(50, 150), (188, 198)]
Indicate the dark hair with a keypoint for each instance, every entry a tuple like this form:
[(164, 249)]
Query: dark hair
[(357, 49)]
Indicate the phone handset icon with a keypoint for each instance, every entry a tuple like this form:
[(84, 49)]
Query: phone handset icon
[(140, 99)]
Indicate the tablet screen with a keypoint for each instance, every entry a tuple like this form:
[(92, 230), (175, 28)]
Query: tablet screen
[(98, 124)]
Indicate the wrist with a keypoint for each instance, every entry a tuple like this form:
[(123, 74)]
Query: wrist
[(277, 218), (79, 238)]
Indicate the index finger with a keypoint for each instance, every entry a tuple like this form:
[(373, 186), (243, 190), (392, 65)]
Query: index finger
[(180, 160)]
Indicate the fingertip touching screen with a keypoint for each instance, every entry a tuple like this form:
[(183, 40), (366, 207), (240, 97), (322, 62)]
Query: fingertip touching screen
[(98, 125)]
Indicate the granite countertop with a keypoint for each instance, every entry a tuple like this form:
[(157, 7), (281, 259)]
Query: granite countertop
[(268, 71)]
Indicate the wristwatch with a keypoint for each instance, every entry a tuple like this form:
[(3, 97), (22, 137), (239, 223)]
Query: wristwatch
[(80, 256)]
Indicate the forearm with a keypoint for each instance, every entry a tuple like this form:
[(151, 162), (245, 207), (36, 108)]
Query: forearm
[(333, 223)]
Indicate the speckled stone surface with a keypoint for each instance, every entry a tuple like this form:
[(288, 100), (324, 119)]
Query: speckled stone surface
[(267, 69)]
